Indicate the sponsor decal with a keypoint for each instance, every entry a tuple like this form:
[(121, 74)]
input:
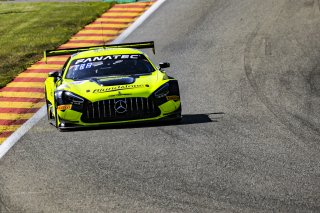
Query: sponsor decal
[(82, 66), (65, 107), (103, 58), (173, 98), (120, 87)]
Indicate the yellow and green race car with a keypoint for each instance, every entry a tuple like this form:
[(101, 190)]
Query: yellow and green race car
[(110, 84)]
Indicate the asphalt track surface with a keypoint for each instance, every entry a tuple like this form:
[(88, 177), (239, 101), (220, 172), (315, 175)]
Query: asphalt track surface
[(249, 75)]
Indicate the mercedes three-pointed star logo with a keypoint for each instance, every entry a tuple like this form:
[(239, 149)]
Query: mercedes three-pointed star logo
[(120, 106)]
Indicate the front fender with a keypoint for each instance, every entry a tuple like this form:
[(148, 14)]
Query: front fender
[(50, 86)]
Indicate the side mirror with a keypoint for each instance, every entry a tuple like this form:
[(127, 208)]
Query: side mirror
[(55, 74), (163, 65)]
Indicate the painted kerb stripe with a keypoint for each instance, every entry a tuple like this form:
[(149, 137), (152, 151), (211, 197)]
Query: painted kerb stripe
[(8, 133)]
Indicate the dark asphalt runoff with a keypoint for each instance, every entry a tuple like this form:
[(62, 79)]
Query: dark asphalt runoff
[(249, 74)]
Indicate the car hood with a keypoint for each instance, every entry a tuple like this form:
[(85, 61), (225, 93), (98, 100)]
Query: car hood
[(113, 87)]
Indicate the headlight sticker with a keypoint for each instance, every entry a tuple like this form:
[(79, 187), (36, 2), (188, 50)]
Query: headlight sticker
[(64, 107), (173, 98)]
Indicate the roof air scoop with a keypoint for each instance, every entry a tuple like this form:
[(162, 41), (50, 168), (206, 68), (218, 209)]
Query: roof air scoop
[(113, 82)]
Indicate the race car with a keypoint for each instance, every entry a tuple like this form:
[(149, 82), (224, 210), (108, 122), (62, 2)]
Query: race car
[(110, 84)]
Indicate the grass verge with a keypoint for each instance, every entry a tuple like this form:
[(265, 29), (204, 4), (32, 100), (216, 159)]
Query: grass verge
[(27, 29)]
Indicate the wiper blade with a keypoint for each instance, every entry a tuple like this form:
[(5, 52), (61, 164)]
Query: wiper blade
[(79, 79), (140, 74)]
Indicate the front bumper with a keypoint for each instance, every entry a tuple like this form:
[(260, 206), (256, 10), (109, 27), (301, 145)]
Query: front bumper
[(104, 113)]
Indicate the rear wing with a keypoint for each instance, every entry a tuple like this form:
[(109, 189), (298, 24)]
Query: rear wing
[(138, 45)]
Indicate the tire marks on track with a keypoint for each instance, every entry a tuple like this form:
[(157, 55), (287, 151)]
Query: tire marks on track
[(306, 132)]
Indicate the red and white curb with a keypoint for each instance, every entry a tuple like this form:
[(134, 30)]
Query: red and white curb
[(11, 140)]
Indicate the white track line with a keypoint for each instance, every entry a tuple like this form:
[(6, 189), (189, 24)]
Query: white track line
[(14, 138)]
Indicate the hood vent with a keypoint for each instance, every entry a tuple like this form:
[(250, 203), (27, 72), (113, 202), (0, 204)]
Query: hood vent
[(113, 82)]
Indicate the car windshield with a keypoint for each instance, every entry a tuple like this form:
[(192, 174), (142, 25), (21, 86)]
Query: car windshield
[(114, 65)]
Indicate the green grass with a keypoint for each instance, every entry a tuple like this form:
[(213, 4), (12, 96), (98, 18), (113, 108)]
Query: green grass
[(27, 29)]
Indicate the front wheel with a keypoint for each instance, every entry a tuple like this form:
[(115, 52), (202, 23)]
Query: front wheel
[(56, 117), (49, 110), (49, 107)]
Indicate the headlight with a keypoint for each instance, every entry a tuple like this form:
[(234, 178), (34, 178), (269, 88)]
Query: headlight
[(65, 97), (163, 91)]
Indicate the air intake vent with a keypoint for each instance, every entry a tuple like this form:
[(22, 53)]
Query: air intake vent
[(119, 110)]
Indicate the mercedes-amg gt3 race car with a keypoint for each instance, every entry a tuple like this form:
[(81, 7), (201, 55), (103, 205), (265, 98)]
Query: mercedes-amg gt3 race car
[(110, 84)]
